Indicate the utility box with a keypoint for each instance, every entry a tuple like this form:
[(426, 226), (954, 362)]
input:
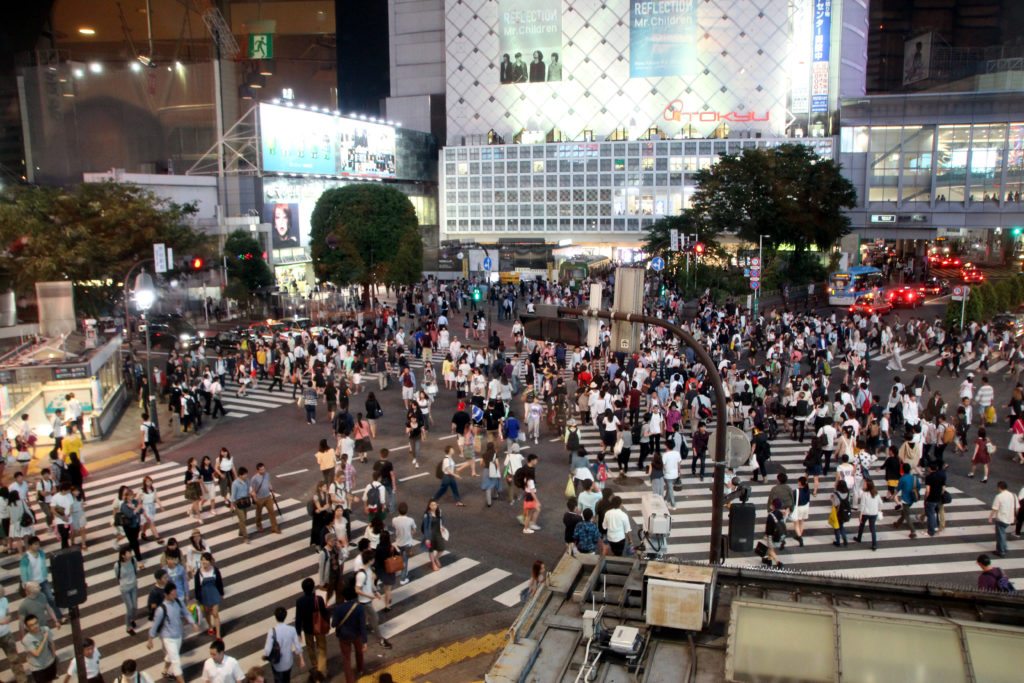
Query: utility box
[(678, 596), (656, 518), (629, 298)]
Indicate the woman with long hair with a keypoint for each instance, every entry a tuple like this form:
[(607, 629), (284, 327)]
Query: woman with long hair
[(491, 480), (224, 471), (193, 491), (431, 530), (322, 513), (208, 477), (870, 507), (209, 591), (150, 504), (78, 519), (385, 549), (982, 456), (373, 413), (362, 433)]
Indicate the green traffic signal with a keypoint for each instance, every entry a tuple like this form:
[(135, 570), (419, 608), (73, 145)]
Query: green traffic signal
[(476, 294), (1017, 230)]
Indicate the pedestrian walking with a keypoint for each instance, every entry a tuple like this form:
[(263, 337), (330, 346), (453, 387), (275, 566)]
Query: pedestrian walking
[(150, 438), (309, 400), (240, 501), (907, 494), (433, 533), (282, 647), (263, 498), (331, 567), (225, 474), (91, 656), (322, 513), (130, 673), (35, 566), (310, 613), (349, 623), (983, 452), (1004, 510), (326, 460), (40, 651), (131, 522), (169, 621), (385, 557), (616, 526), (447, 474), (208, 588), (992, 578), (126, 575), (150, 506), (491, 480), (405, 540), (208, 482), (870, 509), (8, 641), (531, 500), (842, 509), (221, 668), (366, 592)]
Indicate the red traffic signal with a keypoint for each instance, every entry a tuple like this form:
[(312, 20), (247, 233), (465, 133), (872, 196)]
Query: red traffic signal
[(197, 263), (698, 248)]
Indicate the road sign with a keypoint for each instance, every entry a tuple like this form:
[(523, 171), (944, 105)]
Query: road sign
[(487, 263), (746, 272), (755, 272), (755, 284), (755, 262), (657, 264), (960, 293), (159, 258), (755, 278)]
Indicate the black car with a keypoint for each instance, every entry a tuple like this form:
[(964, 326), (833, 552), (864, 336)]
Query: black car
[(934, 286), (170, 332)]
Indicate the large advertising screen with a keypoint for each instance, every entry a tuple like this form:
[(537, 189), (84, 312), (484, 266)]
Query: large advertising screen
[(531, 41), (662, 38), (307, 142)]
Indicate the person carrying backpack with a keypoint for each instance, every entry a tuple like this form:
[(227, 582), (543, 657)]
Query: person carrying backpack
[(992, 578), (374, 500)]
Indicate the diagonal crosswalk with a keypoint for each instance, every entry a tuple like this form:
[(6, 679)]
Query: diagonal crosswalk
[(949, 556), (930, 359), (258, 577)]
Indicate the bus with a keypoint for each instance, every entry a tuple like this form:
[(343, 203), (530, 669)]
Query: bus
[(846, 285)]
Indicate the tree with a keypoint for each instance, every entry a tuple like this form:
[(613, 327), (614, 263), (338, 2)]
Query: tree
[(787, 194), (93, 232), (248, 273), (366, 233)]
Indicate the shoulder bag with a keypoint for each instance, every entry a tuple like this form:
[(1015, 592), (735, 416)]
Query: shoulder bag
[(322, 626)]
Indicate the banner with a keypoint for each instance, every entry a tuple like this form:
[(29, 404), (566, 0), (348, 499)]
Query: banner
[(917, 57), (662, 38), (820, 56), (531, 41)]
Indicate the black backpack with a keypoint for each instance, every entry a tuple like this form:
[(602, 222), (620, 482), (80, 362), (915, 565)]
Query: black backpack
[(844, 510), (519, 478), (572, 441), (373, 496)]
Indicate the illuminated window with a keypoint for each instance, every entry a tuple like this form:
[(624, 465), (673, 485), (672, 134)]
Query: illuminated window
[(620, 164), (1015, 163), (853, 139), (954, 144), (917, 163), (987, 150), (647, 163), (538, 166), (675, 164), (463, 168), (884, 163)]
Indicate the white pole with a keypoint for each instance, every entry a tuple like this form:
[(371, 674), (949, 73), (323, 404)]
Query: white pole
[(760, 269), (963, 307)]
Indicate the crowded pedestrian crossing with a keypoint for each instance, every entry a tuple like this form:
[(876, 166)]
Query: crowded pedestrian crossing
[(258, 577), (948, 557), (930, 359)]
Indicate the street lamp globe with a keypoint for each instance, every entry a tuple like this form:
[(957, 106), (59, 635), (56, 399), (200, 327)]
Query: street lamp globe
[(145, 294)]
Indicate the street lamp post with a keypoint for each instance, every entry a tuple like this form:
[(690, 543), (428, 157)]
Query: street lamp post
[(145, 297)]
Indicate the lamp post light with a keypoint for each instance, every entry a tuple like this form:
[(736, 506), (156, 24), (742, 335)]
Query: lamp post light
[(145, 297)]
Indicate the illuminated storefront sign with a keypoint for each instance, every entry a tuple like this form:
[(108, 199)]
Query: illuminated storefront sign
[(676, 111), (662, 38), (307, 142), (820, 56)]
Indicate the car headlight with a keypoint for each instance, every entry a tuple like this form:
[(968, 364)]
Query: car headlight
[(184, 336)]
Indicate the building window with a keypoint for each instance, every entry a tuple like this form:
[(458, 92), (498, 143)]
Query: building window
[(987, 150), (1015, 163), (463, 168), (647, 163), (538, 166), (917, 163), (952, 149), (884, 163)]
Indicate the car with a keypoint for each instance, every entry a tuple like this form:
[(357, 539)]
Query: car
[(170, 333), (907, 295), (934, 286), (1009, 322), (970, 273), (948, 262), (267, 329), (870, 305), (297, 324)]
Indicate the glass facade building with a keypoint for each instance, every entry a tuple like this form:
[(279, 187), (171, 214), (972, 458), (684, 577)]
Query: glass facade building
[(608, 191)]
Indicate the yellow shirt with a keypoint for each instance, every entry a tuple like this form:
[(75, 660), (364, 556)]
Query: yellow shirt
[(325, 460), (71, 444)]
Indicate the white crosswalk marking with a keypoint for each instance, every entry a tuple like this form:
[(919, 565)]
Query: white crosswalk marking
[(254, 587), (951, 553)]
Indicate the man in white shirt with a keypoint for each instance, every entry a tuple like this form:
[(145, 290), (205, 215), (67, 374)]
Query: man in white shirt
[(92, 663), (670, 460), (7, 639), (220, 668), (616, 526), (828, 434), (75, 413), (60, 505), (1004, 511), (288, 646)]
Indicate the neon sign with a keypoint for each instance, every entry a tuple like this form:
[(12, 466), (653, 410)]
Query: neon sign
[(676, 111)]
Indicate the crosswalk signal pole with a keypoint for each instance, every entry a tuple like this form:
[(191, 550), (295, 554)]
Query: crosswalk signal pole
[(963, 306)]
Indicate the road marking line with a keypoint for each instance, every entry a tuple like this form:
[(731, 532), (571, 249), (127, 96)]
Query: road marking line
[(292, 473), (437, 606), (436, 660), (413, 476), (510, 598)]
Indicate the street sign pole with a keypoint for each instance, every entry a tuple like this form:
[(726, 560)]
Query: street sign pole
[(963, 307)]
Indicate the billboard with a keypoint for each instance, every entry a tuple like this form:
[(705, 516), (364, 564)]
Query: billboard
[(820, 55), (917, 56), (284, 219), (531, 41), (662, 38), (316, 143)]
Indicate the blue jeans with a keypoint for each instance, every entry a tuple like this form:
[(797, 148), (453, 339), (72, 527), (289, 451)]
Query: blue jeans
[(131, 600), (1001, 537), (870, 520), (448, 482), (670, 493), (931, 510), (841, 532), (310, 413), (405, 563)]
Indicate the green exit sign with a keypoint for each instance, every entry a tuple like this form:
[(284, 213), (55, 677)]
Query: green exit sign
[(261, 46)]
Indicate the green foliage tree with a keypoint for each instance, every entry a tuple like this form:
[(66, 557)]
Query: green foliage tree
[(248, 273), (787, 194), (1003, 290), (985, 294), (368, 234), (93, 232)]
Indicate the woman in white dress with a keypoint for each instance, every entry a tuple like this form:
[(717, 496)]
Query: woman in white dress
[(194, 552), (16, 508), (150, 504)]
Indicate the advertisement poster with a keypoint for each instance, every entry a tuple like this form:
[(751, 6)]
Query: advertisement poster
[(284, 219), (820, 56), (662, 38), (530, 40), (308, 142), (917, 56)]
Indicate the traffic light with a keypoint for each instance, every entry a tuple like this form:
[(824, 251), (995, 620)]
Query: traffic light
[(197, 263), (698, 248), (476, 294), (1017, 230)]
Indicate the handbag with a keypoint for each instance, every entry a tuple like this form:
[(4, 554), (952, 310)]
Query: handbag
[(244, 503), (833, 518), (321, 626), (570, 488), (27, 520), (444, 533), (393, 564), (761, 549)]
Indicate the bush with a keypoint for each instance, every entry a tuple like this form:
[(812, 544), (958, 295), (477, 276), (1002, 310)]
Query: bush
[(985, 295), (1003, 298)]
